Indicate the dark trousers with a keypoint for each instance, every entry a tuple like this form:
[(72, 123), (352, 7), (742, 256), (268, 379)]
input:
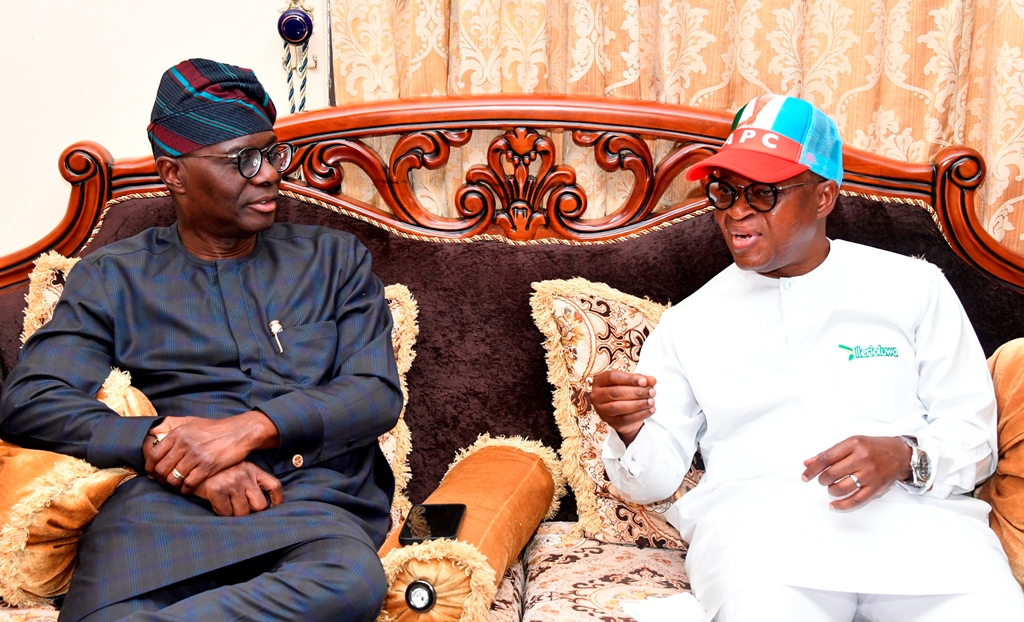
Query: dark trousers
[(331, 579)]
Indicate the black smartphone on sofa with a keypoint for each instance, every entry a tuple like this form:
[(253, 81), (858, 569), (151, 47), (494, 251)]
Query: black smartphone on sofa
[(432, 521)]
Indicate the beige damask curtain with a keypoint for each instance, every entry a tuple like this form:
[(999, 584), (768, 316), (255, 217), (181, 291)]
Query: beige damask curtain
[(902, 78)]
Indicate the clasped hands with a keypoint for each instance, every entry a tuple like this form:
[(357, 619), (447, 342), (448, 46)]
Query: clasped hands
[(207, 457), (855, 470)]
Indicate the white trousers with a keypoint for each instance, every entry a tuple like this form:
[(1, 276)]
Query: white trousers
[(765, 602)]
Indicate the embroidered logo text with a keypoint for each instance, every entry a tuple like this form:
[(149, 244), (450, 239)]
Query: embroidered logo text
[(870, 352)]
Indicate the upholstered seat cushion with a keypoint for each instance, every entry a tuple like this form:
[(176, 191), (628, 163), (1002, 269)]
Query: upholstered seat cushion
[(574, 579), (508, 600)]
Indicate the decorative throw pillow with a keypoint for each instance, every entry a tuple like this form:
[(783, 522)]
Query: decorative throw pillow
[(397, 443), (46, 501), (588, 328), (45, 285)]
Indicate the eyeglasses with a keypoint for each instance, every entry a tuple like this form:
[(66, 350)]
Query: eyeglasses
[(250, 159), (760, 196)]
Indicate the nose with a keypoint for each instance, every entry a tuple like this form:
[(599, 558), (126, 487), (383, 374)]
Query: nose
[(267, 174), (740, 208)]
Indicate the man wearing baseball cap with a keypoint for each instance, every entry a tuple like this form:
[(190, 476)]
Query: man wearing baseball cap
[(838, 395), (266, 350)]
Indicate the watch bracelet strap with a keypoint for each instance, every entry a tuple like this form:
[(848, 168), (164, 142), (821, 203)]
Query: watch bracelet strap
[(915, 462)]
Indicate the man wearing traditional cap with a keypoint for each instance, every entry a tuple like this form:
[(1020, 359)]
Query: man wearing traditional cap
[(265, 348), (838, 395)]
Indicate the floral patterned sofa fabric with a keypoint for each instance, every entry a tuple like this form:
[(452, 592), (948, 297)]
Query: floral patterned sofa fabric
[(515, 214), (577, 579)]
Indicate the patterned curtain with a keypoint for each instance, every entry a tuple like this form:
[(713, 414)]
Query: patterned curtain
[(902, 78)]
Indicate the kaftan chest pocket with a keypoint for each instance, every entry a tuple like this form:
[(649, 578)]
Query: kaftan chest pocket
[(306, 353)]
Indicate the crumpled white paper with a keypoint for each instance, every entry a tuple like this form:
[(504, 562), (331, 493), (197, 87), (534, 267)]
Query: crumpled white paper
[(682, 607)]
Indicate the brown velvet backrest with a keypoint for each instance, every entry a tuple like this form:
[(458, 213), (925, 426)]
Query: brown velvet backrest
[(480, 366)]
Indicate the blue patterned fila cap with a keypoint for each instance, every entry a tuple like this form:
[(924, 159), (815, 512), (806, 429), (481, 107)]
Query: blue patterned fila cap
[(202, 102), (774, 138)]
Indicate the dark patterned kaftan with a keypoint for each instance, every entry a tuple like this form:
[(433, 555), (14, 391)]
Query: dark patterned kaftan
[(195, 336)]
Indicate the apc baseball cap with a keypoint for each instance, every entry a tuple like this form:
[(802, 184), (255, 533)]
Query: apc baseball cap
[(775, 137)]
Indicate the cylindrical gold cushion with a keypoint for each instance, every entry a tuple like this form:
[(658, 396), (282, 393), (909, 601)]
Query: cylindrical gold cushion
[(1005, 489), (507, 492)]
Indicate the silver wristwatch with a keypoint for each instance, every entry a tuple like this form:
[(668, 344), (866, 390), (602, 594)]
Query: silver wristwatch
[(920, 464)]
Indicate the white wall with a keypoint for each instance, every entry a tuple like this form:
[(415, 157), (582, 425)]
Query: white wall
[(75, 70)]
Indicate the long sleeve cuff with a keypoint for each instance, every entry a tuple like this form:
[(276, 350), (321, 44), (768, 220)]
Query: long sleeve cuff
[(951, 476), (299, 425), (637, 471), (117, 442)]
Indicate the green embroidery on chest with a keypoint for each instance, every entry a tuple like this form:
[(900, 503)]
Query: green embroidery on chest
[(870, 352)]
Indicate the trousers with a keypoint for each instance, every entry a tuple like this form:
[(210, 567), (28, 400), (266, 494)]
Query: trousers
[(323, 580), (767, 602)]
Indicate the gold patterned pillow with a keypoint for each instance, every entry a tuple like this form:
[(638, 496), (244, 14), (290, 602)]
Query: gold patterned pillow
[(397, 444), (588, 328)]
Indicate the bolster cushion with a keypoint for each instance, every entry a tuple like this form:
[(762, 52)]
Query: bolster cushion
[(508, 487)]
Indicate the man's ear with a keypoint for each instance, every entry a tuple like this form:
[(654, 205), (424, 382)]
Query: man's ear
[(170, 172), (827, 194)]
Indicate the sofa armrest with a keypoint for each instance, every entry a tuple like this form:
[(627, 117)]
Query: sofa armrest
[(508, 487)]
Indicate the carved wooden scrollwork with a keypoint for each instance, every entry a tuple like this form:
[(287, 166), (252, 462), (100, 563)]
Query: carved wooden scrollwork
[(430, 150), (523, 191), (519, 202), (86, 166), (959, 172), (614, 150), (321, 167)]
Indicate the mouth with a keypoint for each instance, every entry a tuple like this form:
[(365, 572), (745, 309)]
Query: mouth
[(265, 205), (741, 240)]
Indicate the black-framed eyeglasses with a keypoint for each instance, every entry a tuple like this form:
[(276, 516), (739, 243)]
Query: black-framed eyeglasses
[(760, 196), (250, 159)]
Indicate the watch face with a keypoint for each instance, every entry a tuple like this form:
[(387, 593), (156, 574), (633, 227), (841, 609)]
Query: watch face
[(924, 467)]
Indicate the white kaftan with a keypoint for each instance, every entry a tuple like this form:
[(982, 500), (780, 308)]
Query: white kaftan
[(763, 373)]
